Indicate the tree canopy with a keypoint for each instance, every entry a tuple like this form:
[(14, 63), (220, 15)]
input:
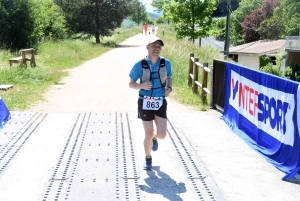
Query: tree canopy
[(140, 15), (25, 23), (96, 17), (192, 18), (252, 22)]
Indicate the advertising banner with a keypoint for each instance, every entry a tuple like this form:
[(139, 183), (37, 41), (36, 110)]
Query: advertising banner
[(262, 109), (4, 114)]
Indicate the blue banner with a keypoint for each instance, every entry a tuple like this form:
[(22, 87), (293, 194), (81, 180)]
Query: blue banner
[(262, 110), (4, 114)]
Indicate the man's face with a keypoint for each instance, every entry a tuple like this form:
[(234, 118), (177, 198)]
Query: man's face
[(154, 48)]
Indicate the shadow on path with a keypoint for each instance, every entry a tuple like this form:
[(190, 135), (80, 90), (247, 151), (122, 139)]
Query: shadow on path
[(128, 46), (159, 182)]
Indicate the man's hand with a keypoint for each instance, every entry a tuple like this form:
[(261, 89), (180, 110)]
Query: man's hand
[(167, 91), (147, 85)]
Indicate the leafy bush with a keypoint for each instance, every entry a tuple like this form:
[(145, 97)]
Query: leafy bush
[(269, 68), (292, 72), (160, 20), (24, 23), (264, 60)]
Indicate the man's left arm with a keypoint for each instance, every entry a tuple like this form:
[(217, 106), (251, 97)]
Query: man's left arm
[(168, 89)]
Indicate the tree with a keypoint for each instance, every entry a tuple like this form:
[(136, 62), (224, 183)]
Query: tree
[(245, 8), (24, 23), (192, 18), (290, 15), (15, 24), (140, 15), (158, 4), (96, 17), (272, 28), (250, 26), (252, 22)]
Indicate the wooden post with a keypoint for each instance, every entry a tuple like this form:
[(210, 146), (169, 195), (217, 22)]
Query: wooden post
[(32, 61), (23, 54), (190, 69), (204, 83), (195, 86), (212, 87)]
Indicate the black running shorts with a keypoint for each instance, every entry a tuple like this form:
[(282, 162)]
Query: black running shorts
[(148, 115)]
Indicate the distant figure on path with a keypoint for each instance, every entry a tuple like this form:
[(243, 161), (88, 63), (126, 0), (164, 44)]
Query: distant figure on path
[(153, 29), (145, 28), (155, 75)]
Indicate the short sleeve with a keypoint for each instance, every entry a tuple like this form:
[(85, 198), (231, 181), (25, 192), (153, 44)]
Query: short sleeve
[(169, 68), (135, 71)]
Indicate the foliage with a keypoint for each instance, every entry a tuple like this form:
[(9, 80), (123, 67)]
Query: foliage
[(128, 24), (252, 22), (245, 8), (158, 4), (269, 68), (140, 15), (288, 73), (264, 60), (288, 15), (192, 18), (15, 30), (219, 28), (292, 72), (160, 20), (96, 17), (272, 28), (25, 23), (48, 20)]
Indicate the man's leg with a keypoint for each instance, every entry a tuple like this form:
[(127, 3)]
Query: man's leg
[(161, 127), (148, 127)]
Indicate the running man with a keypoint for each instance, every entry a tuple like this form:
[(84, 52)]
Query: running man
[(155, 75)]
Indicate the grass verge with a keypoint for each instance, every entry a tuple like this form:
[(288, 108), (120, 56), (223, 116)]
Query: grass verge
[(178, 51)]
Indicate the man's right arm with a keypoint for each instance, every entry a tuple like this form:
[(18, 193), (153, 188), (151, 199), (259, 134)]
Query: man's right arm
[(134, 85)]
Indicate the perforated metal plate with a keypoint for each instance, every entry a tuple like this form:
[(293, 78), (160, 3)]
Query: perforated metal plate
[(204, 186), (15, 134), (98, 160)]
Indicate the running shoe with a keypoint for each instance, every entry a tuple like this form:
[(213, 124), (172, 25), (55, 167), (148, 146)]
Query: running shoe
[(154, 144), (148, 163)]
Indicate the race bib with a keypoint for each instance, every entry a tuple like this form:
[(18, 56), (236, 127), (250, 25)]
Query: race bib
[(152, 103)]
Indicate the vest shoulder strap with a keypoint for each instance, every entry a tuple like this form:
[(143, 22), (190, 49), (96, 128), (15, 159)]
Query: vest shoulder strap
[(144, 63), (162, 62)]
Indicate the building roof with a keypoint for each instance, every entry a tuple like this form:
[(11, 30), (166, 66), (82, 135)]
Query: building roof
[(260, 47)]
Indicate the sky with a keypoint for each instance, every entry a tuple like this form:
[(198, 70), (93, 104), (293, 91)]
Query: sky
[(148, 6)]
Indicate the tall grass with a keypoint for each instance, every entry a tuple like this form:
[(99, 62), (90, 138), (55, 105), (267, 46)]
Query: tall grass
[(178, 51)]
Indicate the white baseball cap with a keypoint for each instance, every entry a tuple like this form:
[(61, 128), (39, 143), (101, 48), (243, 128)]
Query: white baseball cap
[(154, 39)]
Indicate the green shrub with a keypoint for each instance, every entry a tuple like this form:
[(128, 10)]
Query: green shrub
[(264, 60), (25, 23), (269, 68)]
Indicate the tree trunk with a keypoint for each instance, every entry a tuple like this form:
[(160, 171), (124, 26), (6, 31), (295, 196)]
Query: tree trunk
[(97, 34)]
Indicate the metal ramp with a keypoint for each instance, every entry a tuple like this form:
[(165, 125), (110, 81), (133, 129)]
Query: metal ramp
[(98, 160)]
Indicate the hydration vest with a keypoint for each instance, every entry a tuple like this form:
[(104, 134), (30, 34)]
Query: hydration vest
[(162, 72)]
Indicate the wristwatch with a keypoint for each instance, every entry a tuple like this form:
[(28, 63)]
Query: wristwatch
[(170, 88)]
